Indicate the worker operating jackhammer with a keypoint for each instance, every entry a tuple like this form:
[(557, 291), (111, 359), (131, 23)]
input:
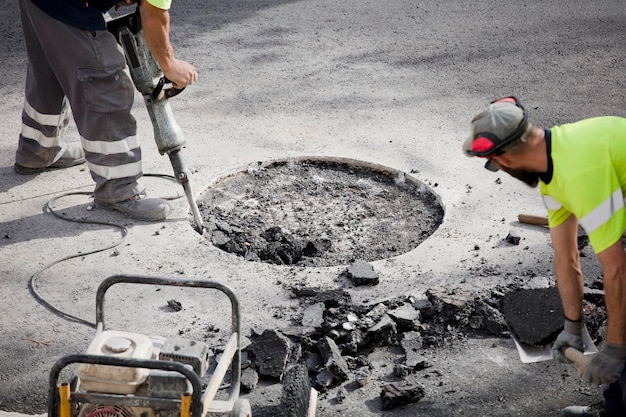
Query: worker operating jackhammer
[(74, 62), (150, 82)]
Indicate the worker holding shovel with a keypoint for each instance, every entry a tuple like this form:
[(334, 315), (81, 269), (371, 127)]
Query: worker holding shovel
[(580, 169)]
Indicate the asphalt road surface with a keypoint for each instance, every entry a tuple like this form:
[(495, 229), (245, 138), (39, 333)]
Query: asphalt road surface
[(392, 83)]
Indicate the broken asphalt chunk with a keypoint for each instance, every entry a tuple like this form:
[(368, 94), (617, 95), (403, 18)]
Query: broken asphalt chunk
[(401, 393), (249, 379), (413, 346), (362, 273), (333, 361), (313, 316), (406, 317), (271, 351), (174, 305), (513, 237), (383, 333)]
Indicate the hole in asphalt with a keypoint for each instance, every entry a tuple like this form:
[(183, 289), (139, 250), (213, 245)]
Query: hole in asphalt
[(318, 212)]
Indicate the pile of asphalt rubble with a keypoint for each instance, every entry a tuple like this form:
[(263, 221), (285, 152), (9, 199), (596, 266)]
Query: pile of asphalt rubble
[(357, 213), (273, 245), (334, 337)]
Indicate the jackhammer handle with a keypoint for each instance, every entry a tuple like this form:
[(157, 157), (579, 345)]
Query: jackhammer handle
[(169, 92), (578, 358)]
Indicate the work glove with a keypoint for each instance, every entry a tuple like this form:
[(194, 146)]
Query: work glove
[(571, 336), (606, 366)]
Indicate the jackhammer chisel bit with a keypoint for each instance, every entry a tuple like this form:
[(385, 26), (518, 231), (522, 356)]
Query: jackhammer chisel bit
[(150, 81), (180, 173)]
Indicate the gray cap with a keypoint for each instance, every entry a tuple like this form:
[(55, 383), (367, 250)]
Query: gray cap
[(496, 128)]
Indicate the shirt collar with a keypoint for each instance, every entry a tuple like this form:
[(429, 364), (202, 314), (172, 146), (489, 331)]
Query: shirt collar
[(547, 176)]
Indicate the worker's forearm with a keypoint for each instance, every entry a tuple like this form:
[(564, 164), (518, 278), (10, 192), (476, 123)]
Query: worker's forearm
[(155, 24), (613, 260), (569, 276), (569, 279), (615, 298)]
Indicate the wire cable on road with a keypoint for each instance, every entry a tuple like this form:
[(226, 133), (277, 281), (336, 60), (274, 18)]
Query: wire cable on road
[(49, 207)]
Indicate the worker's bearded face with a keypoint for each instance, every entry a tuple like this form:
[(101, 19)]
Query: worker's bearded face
[(528, 177)]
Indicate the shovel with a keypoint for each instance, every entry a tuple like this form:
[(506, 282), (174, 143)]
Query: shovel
[(532, 353), (534, 317)]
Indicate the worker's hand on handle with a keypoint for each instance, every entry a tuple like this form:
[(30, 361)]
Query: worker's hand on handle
[(181, 74), (606, 366), (571, 336), (155, 23)]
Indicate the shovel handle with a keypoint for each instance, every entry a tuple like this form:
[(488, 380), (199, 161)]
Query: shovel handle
[(540, 221), (531, 219), (578, 358)]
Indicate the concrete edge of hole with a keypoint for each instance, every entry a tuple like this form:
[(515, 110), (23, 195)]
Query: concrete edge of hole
[(372, 166), (391, 176)]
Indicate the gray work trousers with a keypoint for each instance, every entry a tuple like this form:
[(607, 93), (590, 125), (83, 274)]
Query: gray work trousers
[(85, 71)]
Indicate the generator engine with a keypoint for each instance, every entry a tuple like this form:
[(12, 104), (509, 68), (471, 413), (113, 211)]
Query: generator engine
[(152, 383)]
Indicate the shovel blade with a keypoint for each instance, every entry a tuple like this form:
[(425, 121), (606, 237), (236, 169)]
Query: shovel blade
[(532, 354)]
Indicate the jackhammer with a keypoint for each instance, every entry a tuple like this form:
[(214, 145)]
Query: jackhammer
[(150, 81)]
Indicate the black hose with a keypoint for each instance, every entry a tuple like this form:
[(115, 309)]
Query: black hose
[(123, 231), (33, 279)]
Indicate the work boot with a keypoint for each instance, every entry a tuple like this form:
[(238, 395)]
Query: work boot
[(73, 155), (140, 208)]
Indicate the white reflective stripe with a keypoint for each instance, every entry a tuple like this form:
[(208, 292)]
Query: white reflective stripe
[(551, 203), (109, 148), (118, 171), (36, 135), (602, 213), (41, 118)]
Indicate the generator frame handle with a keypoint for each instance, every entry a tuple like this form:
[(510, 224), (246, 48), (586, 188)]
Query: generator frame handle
[(181, 282)]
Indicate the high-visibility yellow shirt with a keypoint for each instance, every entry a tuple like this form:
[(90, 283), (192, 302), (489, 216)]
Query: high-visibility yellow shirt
[(161, 4), (588, 163)]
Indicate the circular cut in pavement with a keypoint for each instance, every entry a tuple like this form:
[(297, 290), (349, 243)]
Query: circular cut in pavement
[(318, 212)]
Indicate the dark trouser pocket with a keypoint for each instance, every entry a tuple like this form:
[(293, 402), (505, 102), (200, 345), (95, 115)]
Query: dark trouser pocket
[(106, 90)]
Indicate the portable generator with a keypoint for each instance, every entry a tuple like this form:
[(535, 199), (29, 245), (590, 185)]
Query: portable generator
[(124, 374)]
